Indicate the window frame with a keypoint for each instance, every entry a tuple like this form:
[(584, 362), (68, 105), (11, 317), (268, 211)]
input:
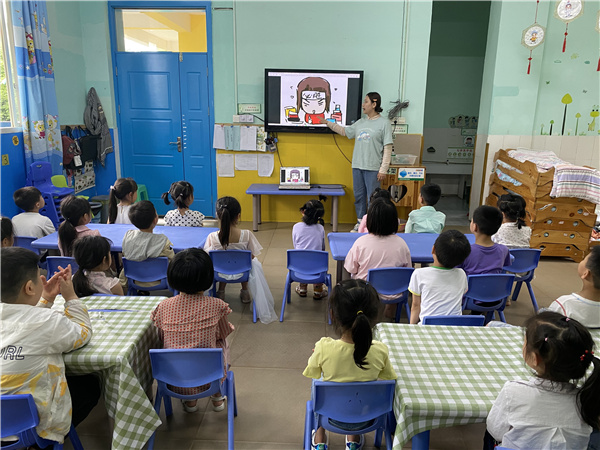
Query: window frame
[(10, 65)]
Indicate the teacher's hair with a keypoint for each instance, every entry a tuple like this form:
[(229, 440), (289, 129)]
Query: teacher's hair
[(375, 98)]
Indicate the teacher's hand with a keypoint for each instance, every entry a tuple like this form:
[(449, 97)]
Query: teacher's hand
[(380, 176), (322, 120)]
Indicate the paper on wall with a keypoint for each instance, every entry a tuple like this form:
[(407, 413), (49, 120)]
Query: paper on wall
[(265, 164), (236, 138), (228, 129), (248, 138), (261, 135), (225, 165), (246, 162), (219, 137)]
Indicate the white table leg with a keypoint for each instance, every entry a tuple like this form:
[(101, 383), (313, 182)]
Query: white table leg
[(255, 211), (334, 213)]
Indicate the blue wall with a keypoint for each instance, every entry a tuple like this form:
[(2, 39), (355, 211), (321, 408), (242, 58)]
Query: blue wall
[(13, 175)]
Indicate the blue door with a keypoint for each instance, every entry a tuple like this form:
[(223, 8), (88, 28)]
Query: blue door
[(164, 123)]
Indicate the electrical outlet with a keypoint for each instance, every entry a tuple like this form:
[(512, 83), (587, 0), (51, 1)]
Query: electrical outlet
[(246, 118), (236, 118)]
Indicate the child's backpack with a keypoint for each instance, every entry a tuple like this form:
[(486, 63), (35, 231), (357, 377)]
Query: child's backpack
[(70, 151)]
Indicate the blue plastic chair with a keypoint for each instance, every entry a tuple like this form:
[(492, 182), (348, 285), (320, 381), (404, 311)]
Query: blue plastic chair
[(526, 261), (151, 269), (454, 321), (232, 262), (25, 242), (62, 261), (355, 402), (191, 368), (52, 209), (19, 417), (392, 281), (488, 293), (40, 176), (305, 266)]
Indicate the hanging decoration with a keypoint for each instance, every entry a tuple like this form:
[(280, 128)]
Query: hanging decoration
[(567, 11), (598, 30), (533, 36)]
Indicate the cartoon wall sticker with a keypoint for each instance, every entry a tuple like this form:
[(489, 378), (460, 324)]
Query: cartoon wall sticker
[(593, 115), (313, 97), (577, 116), (30, 48), (565, 101)]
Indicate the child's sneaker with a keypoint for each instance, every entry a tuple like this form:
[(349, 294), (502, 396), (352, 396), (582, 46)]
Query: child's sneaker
[(355, 445), (355, 229), (321, 446), (245, 296)]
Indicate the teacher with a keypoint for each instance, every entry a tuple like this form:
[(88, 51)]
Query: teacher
[(372, 151)]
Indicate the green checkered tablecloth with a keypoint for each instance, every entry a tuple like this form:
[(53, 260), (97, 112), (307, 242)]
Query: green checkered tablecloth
[(450, 376), (118, 350)]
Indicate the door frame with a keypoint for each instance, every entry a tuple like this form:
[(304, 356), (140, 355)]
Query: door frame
[(168, 4)]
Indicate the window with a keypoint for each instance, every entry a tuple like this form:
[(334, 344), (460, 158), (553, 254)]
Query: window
[(9, 100)]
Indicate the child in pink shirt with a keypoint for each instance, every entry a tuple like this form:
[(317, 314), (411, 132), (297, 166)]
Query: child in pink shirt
[(378, 193)]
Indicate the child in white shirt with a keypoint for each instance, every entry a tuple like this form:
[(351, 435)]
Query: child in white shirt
[(513, 232), (92, 254), (34, 338), (549, 410), (8, 233), (122, 195), (438, 290), (31, 222), (182, 194)]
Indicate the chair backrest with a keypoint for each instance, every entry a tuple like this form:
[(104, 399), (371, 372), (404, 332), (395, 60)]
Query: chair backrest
[(18, 413), (526, 259), (353, 402), (230, 262), (189, 367), (308, 261), (62, 261), (50, 211), (40, 173), (390, 280), (25, 242), (151, 269), (456, 321), (490, 287)]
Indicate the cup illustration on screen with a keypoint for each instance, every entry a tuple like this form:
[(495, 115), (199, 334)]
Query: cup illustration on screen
[(291, 114)]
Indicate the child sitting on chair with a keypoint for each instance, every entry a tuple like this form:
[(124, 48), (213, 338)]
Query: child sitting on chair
[(92, 255), (8, 233), (122, 197), (486, 256), (77, 213), (143, 243), (584, 306), (513, 232), (426, 219), (31, 222), (182, 193), (34, 338), (192, 319), (438, 290), (378, 193)]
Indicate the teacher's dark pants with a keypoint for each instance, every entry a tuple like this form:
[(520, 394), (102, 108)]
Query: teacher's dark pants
[(365, 182)]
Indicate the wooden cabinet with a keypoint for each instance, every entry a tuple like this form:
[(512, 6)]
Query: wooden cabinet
[(405, 191)]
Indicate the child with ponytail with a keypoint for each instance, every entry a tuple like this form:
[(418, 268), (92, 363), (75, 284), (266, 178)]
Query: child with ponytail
[(549, 410), (182, 194), (355, 356), (513, 232), (92, 255), (77, 214), (122, 195)]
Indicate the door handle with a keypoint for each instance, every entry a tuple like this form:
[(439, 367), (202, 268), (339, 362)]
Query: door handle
[(178, 143)]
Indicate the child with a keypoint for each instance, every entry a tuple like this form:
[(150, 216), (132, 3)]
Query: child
[(486, 256), (191, 319), (438, 290), (382, 247), (8, 234), (378, 193), (141, 244), (549, 410), (34, 337), (77, 214), (230, 237), (310, 235), (31, 222), (426, 219), (585, 305), (182, 194), (125, 191), (92, 254), (355, 356), (513, 232)]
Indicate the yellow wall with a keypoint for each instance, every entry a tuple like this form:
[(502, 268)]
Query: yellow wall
[(327, 166), (195, 40)]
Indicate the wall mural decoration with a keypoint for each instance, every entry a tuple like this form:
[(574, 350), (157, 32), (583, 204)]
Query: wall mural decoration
[(533, 36), (567, 11)]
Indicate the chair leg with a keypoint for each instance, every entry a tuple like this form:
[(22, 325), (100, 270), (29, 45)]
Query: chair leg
[(308, 425), (231, 410), (517, 290), (501, 314), (533, 300), (398, 312), (75, 442), (286, 298), (378, 434), (421, 441), (253, 311), (407, 310)]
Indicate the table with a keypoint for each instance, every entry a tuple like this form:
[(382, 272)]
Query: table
[(257, 190), (419, 244), (449, 376), (119, 351), (181, 237)]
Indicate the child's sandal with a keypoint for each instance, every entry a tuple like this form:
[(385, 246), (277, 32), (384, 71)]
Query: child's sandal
[(300, 291), (318, 295)]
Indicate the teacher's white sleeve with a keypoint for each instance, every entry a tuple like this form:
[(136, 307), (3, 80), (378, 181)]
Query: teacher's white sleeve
[(387, 157), (336, 128)]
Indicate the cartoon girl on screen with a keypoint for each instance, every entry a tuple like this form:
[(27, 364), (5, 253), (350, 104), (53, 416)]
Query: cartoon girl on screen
[(313, 97), (295, 176)]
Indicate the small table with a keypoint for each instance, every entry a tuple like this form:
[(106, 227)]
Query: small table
[(256, 190), (181, 237), (419, 244), (119, 351)]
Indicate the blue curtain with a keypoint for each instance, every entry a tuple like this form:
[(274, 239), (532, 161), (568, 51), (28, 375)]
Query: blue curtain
[(37, 94)]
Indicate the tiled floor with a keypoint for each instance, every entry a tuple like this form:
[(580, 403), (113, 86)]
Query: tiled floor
[(268, 360)]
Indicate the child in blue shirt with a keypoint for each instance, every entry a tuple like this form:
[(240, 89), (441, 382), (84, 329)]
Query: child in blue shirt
[(426, 219)]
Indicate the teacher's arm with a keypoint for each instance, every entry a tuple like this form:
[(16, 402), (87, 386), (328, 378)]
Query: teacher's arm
[(336, 128), (385, 162)]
